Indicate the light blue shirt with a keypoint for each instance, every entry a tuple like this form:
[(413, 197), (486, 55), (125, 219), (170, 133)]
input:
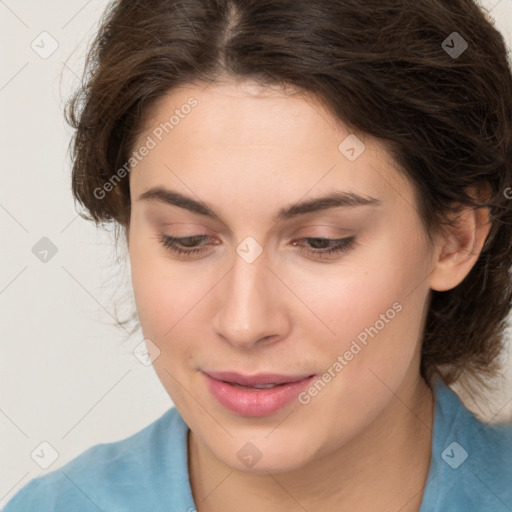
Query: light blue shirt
[(470, 469)]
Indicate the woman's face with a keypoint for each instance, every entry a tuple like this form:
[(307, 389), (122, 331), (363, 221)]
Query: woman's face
[(261, 294)]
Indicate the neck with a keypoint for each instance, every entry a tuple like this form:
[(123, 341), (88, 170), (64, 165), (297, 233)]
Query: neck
[(384, 468)]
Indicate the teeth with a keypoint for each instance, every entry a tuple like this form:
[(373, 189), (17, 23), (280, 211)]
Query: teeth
[(256, 386)]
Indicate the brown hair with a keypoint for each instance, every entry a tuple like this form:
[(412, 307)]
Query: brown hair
[(390, 69)]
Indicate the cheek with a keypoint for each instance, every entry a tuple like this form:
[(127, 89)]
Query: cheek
[(348, 298), (155, 288), (163, 300), (371, 310), (375, 312), (170, 296)]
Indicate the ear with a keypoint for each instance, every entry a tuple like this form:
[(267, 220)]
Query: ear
[(458, 249)]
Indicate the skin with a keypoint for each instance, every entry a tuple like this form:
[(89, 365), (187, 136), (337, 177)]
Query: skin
[(364, 442)]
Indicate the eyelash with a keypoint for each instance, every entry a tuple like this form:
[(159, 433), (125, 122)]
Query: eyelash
[(340, 245)]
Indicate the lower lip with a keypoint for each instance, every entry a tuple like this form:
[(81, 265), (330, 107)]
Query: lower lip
[(255, 402)]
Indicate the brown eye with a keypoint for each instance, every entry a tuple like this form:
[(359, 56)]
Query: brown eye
[(326, 246), (188, 244)]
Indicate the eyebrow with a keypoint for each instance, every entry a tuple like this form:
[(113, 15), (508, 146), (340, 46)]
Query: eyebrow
[(335, 199)]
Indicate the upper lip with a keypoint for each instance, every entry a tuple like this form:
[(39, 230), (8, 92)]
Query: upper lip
[(254, 380)]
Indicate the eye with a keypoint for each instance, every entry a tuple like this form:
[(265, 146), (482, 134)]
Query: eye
[(329, 246), (173, 244), (188, 246)]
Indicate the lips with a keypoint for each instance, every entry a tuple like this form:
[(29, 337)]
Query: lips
[(260, 380), (255, 395)]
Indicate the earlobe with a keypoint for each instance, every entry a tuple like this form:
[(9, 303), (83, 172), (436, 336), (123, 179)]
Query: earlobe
[(460, 248)]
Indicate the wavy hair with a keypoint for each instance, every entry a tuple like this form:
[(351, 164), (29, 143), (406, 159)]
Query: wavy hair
[(398, 70)]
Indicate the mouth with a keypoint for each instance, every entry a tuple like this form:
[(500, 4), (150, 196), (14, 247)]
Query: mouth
[(256, 395), (261, 379)]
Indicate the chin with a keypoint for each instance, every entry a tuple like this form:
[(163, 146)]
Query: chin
[(263, 454)]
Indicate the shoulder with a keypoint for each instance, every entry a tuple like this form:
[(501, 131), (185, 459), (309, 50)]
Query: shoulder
[(489, 460), (110, 476), (488, 445), (471, 464)]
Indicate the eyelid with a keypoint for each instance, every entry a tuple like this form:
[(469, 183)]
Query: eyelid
[(337, 247), (327, 219), (322, 231)]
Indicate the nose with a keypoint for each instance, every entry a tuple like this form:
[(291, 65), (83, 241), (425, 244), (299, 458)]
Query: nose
[(252, 305)]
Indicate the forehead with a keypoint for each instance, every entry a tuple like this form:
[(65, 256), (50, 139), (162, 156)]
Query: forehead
[(243, 133), (244, 113)]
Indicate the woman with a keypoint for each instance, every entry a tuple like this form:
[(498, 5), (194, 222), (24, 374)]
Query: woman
[(315, 198)]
